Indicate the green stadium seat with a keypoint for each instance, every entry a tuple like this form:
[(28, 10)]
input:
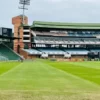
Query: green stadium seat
[(7, 53)]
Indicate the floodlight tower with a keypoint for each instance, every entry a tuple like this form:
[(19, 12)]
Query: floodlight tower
[(23, 4)]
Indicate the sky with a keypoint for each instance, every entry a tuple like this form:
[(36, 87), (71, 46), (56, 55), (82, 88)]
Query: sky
[(76, 11)]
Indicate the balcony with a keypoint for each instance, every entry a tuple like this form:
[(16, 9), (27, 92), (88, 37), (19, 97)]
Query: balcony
[(26, 30), (26, 35), (26, 40)]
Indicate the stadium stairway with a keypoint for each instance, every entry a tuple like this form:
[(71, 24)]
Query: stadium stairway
[(7, 53)]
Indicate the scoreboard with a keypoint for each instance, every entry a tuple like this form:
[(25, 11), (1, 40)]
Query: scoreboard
[(6, 32)]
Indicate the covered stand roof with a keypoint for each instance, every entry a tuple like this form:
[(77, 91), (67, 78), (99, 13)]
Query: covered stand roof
[(59, 25)]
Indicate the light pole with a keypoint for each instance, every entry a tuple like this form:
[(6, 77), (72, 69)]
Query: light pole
[(23, 4)]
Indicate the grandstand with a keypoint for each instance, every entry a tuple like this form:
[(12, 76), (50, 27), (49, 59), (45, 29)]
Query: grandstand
[(56, 39), (8, 53), (75, 40), (61, 38)]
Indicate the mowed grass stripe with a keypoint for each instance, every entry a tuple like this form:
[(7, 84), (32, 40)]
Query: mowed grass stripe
[(38, 76), (90, 74), (6, 66), (40, 81), (94, 64)]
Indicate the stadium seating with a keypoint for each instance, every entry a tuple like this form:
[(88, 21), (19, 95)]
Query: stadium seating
[(63, 40), (7, 53), (83, 33), (95, 50), (50, 33), (3, 58), (69, 33), (77, 51), (52, 51), (32, 51)]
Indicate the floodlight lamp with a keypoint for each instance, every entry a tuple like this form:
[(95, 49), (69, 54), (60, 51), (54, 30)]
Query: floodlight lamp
[(24, 2)]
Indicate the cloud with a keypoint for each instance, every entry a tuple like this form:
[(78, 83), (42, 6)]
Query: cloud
[(52, 10), (54, 0), (90, 1)]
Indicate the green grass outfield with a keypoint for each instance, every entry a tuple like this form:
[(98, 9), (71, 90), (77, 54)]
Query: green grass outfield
[(48, 80)]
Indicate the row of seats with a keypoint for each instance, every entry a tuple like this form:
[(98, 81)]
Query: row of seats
[(77, 52), (65, 39), (57, 51), (32, 51), (52, 51), (8, 53), (69, 33), (66, 42), (56, 40), (50, 33), (85, 34), (95, 50), (3, 58)]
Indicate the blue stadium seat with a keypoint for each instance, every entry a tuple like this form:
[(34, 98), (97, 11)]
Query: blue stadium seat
[(52, 51), (77, 51), (32, 51)]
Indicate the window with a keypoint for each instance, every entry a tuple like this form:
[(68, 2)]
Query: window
[(26, 28), (26, 38), (26, 33)]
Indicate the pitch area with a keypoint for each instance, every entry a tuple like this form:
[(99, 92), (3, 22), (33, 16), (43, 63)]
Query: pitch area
[(47, 80)]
